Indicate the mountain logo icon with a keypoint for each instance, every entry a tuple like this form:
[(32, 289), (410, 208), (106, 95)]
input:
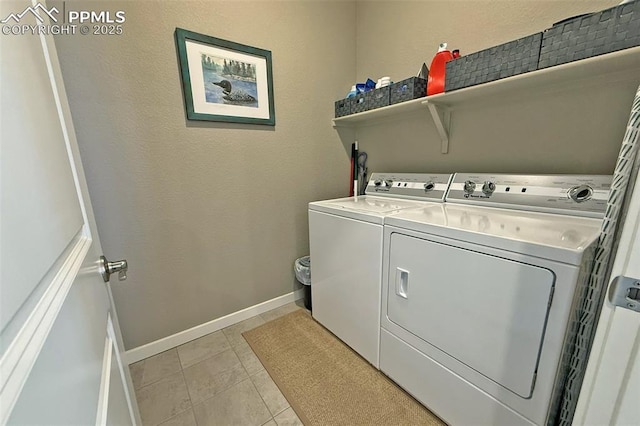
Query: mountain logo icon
[(34, 11)]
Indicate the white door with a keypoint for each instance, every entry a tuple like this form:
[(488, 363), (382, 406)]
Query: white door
[(60, 347), (611, 389)]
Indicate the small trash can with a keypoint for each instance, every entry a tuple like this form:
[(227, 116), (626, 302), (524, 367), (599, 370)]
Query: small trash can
[(302, 268)]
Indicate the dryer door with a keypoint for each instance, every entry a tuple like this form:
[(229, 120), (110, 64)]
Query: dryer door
[(487, 312)]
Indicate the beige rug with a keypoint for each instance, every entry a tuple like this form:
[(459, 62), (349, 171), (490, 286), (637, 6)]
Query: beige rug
[(325, 381)]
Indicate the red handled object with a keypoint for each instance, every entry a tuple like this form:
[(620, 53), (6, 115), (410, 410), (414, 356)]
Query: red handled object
[(435, 82), (353, 163)]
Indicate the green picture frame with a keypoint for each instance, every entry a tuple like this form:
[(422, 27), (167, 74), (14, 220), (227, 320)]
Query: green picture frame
[(225, 81)]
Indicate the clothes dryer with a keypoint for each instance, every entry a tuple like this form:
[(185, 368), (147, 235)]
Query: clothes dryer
[(345, 237), (478, 293)]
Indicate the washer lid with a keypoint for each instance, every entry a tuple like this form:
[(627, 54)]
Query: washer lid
[(551, 236), (365, 207), (372, 204)]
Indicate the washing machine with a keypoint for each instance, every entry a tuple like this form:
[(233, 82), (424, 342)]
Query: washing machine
[(345, 237), (478, 293)]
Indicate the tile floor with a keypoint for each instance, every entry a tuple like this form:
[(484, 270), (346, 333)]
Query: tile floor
[(214, 380)]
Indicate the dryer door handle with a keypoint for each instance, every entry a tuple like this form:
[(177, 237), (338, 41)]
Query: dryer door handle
[(402, 282)]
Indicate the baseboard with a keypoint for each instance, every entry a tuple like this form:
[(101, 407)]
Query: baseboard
[(169, 342)]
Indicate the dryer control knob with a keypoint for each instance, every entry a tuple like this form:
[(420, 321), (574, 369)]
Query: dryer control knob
[(488, 187), (388, 183), (581, 193), (377, 182), (429, 186), (469, 186)]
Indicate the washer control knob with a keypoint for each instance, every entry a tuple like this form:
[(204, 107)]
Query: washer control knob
[(488, 187), (377, 182), (388, 183), (581, 193), (469, 187), (429, 186)]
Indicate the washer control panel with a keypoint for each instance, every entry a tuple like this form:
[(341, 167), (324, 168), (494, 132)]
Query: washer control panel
[(577, 194), (420, 186)]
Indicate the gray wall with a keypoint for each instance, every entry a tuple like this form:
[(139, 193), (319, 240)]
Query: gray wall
[(538, 131), (210, 216)]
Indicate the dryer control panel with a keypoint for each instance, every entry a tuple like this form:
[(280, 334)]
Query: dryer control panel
[(419, 186), (583, 195)]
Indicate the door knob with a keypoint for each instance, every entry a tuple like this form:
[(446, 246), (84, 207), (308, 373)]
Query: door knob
[(107, 268)]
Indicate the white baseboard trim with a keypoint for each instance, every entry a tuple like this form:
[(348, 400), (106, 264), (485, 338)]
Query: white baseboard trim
[(169, 342)]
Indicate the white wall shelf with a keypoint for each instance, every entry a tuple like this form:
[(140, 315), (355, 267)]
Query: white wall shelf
[(623, 65)]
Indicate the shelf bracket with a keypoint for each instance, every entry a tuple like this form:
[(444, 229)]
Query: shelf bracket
[(441, 118)]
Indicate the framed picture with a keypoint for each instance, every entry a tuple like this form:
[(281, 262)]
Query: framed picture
[(225, 81)]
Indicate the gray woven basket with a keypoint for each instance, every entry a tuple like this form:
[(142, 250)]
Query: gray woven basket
[(505, 60), (407, 89), (590, 35), (377, 98), (343, 107), (358, 103)]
